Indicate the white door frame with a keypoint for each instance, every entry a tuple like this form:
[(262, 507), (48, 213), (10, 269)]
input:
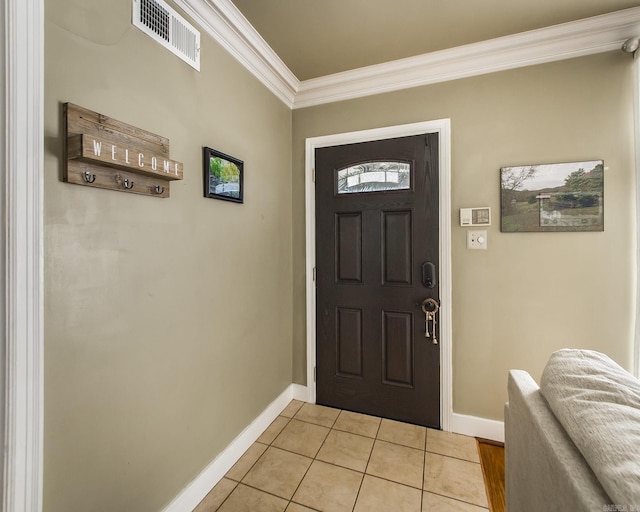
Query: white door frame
[(22, 259), (443, 128)]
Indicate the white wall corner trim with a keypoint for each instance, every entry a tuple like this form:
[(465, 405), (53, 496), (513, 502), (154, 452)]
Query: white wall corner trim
[(478, 427), (226, 25), (195, 492), (636, 123), (23, 141), (443, 128)]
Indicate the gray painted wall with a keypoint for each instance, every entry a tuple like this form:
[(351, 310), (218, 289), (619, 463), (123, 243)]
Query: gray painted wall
[(529, 293), (167, 321)]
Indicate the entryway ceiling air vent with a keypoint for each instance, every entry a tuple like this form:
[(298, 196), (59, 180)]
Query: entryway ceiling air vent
[(159, 21)]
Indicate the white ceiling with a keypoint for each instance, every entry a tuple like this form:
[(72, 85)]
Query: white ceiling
[(320, 37)]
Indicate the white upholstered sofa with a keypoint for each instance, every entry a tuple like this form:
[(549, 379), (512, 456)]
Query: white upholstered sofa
[(573, 443)]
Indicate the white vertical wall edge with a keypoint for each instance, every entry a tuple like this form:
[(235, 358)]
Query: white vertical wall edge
[(443, 128), (478, 427), (23, 309), (195, 492), (636, 122)]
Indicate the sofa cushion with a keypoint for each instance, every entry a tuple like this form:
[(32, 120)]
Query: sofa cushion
[(598, 404)]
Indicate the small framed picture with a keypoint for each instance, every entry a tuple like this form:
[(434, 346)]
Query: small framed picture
[(222, 176)]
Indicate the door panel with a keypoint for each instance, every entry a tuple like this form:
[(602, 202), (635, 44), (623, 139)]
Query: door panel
[(376, 224), (349, 342), (397, 349), (349, 247), (397, 253)]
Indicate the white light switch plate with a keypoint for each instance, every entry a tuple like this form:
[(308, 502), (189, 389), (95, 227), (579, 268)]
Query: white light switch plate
[(477, 239)]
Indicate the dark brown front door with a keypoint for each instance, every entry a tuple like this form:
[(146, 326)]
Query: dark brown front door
[(376, 236)]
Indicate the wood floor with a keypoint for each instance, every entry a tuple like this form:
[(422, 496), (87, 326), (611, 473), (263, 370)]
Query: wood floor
[(492, 462)]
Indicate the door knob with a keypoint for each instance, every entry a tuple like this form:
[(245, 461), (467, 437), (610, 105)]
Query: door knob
[(430, 309)]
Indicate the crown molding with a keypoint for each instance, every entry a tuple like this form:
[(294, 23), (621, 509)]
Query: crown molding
[(224, 22), (568, 40)]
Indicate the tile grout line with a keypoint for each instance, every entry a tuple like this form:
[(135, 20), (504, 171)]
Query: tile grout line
[(367, 465), (290, 500), (313, 459), (259, 490), (424, 469), (463, 460), (453, 457), (238, 482), (224, 500), (458, 500)]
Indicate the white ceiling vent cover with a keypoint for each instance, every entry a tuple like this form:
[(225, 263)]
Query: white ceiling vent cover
[(158, 20)]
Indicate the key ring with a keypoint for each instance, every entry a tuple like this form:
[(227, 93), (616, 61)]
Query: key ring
[(430, 306)]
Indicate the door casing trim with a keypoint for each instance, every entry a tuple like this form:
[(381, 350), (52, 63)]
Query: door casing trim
[(443, 128)]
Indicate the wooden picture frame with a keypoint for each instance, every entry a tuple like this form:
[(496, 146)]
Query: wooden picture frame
[(552, 197), (223, 176)]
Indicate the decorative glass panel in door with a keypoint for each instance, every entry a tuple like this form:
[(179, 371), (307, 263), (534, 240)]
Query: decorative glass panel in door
[(374, 177)]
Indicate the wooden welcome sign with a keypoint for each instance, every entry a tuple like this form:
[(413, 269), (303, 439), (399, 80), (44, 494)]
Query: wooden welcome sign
[(105, 153)]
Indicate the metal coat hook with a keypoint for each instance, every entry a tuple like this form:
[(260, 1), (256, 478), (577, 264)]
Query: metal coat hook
[(158, 189), (126, 183), (89, 177)]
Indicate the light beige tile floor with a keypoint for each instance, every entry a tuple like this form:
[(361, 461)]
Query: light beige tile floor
[(315, 458)]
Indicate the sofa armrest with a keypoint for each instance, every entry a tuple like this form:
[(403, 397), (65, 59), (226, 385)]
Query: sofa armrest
[(544, 470)]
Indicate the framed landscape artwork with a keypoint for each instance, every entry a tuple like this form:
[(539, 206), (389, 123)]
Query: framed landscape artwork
[(553, 197), (222, 176)]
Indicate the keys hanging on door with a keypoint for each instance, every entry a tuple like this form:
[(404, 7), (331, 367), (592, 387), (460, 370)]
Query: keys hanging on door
[(430, 308)]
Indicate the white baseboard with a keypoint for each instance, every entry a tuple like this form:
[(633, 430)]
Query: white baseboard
[(477, 427), (195, 492), (300, 392)]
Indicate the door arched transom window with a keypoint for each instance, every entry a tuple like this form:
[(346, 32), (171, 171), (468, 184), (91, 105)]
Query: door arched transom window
[(373, 177)]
